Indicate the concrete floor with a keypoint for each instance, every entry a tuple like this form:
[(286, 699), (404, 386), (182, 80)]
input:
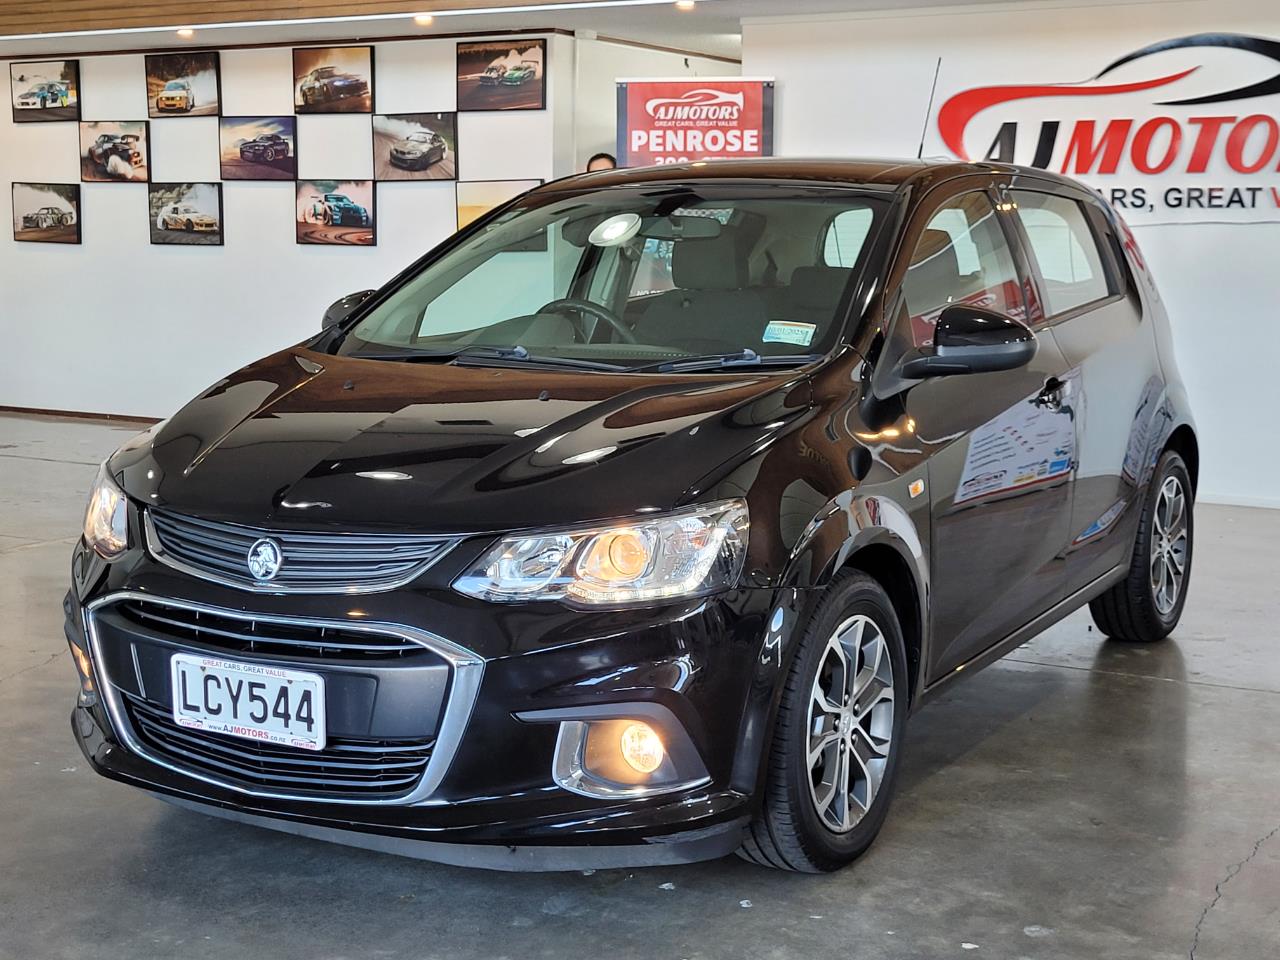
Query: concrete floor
[(1079, 799)]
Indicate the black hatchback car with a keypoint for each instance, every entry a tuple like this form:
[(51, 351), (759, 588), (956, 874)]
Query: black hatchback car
[(629, 525)]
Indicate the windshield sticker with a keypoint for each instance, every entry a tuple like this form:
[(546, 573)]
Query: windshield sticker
[(788, 331)]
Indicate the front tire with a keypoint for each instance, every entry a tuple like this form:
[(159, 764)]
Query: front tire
[(838, 735), (1146, 605)]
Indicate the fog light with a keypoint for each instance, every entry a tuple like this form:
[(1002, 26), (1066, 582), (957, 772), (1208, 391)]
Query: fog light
[(84, 666), (641, 747)]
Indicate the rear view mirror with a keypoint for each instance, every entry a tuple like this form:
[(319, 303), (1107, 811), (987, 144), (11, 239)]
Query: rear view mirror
[(971, 340), (343, 307)]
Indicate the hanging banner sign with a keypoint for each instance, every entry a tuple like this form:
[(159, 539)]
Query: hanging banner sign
[(694, 118), (1183, 129)]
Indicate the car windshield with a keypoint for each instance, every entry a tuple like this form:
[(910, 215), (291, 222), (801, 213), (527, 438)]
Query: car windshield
[(322, 72), (633, 276), (175, 85), (420, 137)]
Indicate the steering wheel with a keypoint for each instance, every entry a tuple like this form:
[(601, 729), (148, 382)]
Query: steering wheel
[(575, 305)]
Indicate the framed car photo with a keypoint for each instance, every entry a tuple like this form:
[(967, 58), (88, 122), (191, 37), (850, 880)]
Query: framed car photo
[(45, 90), (115, 151), (258, 148), (46, 212), (333, 79), (184, 84), (502, 75), (415, 146), (337, 212), (185, 214)]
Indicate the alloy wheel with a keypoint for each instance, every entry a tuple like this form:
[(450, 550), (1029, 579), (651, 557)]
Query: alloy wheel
[(850, 723), (1168, 545)]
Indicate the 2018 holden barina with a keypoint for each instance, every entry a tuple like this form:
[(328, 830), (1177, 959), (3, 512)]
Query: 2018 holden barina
[(629, 525)]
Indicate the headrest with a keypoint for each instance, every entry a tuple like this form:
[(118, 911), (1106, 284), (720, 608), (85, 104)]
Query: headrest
[(818, 287), (709, 263), (935, 272)]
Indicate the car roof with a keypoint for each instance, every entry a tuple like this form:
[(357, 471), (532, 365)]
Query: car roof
[(878, 173)]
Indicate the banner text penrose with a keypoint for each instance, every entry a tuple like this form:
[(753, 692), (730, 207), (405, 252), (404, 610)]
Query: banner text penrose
[(691, 119), (1195, 138)]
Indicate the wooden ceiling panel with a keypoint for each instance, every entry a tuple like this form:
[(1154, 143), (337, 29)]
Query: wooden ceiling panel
[(25, 17)]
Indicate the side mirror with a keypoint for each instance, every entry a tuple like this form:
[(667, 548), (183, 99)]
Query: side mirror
[(971, 340), (343, 307)]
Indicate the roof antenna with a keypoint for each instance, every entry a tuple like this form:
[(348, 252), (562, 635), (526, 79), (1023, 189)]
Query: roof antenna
[(924, 130)]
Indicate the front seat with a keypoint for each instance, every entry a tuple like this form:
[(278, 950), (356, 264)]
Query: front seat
[(709, 311), (932, 282)]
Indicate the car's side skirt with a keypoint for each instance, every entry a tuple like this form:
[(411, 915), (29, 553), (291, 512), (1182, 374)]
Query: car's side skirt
[(1020, 636)]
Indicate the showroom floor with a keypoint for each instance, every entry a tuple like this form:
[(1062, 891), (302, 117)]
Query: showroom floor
[(1078, 799)]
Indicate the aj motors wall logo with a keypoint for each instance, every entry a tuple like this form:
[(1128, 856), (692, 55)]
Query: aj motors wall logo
[(1192, 109), (701, 104)]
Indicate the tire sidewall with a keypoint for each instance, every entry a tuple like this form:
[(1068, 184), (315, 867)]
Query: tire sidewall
[(847, 597)]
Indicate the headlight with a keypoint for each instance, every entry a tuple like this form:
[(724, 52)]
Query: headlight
[(683, 554), (106, 522)]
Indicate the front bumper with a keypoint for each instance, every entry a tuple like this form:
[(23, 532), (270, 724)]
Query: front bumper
[(493, 801)]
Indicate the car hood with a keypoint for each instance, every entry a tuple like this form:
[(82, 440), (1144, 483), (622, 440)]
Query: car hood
[(303, 439)]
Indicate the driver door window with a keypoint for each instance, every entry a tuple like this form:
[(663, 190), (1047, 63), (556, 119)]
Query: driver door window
[(962, 257)]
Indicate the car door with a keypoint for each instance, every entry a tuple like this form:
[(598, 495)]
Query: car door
[(1096, 315), (998, 445)]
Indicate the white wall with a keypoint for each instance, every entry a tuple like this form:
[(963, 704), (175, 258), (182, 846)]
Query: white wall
[(119, 326), (859, 85), (601, 63)]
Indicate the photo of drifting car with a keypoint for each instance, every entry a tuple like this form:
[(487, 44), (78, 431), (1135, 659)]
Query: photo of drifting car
[(415, 146), (339, 212), (176, 95), (45, 91), (46, 212), (258, 148), (502, 75), (185, 214), (114, 151), (521, 73), (185, 84), (333, 79), (47, 217), (264, 148)]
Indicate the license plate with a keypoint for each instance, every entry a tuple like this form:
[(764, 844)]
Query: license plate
[(250, 700)]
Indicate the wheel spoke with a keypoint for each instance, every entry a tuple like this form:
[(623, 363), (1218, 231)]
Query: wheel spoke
[(825, 742), (843, 780)]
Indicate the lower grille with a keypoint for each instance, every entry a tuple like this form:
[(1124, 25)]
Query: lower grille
[(347, 767)]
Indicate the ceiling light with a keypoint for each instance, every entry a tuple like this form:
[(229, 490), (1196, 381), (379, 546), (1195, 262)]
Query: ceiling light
[(424, 19), (186, 33), (685, 5)]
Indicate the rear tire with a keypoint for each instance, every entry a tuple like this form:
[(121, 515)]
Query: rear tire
[(1146, 605), (854, 741)]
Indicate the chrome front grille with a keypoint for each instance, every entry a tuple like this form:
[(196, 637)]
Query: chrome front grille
[(381, 769), (312, 562), (241, 635), (357, 766)]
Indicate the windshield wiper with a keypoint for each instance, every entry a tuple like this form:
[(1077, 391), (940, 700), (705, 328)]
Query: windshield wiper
[(482, 353), (746, 357)]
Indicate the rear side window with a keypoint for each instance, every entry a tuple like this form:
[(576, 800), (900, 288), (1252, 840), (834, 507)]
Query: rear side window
[(961, 257), (1065, 249)]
